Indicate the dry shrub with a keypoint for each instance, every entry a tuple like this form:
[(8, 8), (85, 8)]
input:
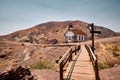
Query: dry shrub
[(44, 45), (110, 61), (13, 63), (101, 66), (22, 44), (108, 55), (43, 64), (107, 59), (1, 64)]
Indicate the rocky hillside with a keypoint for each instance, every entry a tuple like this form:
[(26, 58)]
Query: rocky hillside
[(53, 32)]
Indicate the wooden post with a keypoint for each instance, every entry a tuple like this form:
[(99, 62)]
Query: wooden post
[(61, 70), (71, 55), (60, 57), (92, 31), (75, 50), (79, 47), (70, 59), (96, 69)]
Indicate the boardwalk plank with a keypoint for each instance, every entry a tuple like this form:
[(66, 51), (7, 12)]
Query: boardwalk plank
[(83, 68)]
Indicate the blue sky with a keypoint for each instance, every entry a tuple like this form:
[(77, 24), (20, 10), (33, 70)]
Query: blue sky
[(21, 14)]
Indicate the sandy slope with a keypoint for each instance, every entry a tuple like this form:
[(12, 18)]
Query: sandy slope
[(16, 53), (111, 73)]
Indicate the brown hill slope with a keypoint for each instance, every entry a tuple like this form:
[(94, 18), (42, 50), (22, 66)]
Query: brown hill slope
[(17, 53), (53, 32)]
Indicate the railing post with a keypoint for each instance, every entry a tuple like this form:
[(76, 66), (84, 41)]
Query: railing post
[(71, 54), (78, 47), (61, 70), (75, 50), (96, 69)]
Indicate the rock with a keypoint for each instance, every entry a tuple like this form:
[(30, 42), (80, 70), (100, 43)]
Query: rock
[(53, 41), (2, 55), (19, 73)]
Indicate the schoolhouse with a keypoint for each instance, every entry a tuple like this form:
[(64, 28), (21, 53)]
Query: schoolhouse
[(75, 35)]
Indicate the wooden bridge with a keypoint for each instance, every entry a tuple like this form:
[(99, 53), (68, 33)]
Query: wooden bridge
[(79, 63)]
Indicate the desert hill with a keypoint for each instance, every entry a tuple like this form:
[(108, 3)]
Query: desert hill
[(53, 32), (13, 54), (14, 51)]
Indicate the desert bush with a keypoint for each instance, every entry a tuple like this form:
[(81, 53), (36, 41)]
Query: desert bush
[(115, 54), (109, 55), (53, 41), (110, 61), (1, 64), (22, 44), (13, 63), (115, 51), (24, 39), (43, 45), (101, 66), (118, 59), (43, 64)]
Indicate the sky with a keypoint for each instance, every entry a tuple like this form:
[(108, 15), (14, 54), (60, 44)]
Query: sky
[(22, 14)]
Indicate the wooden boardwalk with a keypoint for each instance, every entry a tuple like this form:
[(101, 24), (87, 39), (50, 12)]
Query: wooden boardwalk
[(81, 67)]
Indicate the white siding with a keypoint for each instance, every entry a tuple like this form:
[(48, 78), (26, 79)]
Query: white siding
[(83, 38), (70, 36), (69, 33)]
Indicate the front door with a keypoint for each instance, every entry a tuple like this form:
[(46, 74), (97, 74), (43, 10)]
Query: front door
[(70, 39)]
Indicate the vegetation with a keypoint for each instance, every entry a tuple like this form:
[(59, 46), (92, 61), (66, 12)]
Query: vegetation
[(1, 64), (101, 66), (13, 63), (109, 55), (115, 51), (43, 64)]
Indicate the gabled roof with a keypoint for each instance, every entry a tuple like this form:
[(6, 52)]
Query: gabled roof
[(78, 32)]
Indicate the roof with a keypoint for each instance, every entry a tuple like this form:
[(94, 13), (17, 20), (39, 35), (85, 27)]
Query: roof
[(69, 33), (78, 32)]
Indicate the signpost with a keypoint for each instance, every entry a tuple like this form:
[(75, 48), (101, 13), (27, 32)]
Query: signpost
[(93, 32)]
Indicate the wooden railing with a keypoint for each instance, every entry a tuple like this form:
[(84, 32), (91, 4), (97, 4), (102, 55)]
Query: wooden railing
[(67, 57), (94, 59)]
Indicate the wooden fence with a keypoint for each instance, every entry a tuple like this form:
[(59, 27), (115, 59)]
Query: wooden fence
[(67, 57), (94, 59)]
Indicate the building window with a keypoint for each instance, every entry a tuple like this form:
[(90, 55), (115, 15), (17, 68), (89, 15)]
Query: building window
[(69, 37), (82, 38), (79, 38)]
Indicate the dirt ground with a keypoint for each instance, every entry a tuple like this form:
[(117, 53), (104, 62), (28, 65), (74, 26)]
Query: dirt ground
[(27, 54), (45, 74), (111, 73)]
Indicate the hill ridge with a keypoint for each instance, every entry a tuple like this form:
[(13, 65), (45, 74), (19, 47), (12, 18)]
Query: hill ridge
[(53, 32)]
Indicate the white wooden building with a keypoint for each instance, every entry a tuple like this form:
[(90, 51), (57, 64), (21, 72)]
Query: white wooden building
[(75, 35)]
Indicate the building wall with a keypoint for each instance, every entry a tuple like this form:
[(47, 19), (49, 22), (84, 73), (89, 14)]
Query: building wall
[(71, 37), (80, 38)]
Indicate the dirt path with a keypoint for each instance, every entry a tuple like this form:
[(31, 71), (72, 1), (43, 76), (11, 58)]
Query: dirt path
[(45, 74), (110, 74)]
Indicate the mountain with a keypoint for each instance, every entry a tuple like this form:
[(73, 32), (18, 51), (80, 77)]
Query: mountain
[(53, 32)]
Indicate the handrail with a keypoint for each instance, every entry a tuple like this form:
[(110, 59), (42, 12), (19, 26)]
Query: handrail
[(93, 58), (93, 55), (64, 56), (67, 57)]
